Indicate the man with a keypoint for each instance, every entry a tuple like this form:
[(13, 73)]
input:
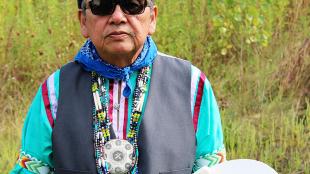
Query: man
[(121, 106)]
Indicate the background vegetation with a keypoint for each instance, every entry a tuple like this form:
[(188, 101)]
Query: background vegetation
[(255, 53)]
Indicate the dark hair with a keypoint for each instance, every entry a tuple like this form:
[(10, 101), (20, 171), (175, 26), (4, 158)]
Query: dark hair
[(79, 2)]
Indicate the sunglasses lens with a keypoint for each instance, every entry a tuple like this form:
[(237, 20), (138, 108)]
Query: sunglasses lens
[(134, 7), (102, 7), (107, 7)]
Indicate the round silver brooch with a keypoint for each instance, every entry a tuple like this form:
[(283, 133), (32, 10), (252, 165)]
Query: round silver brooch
[(119, 156)]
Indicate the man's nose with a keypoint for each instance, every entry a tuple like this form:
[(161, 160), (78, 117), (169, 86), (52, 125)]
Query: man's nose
[(118, 16)]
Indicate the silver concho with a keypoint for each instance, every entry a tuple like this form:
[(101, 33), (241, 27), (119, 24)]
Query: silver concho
[(118, 155)]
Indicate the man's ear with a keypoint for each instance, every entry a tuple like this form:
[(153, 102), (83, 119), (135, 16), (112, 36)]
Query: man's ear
[(82, 19), (154, 12)]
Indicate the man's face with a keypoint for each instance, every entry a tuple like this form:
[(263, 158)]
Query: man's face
[(118, 34)]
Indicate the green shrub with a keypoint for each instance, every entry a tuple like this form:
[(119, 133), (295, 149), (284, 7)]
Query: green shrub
[(213, 29)]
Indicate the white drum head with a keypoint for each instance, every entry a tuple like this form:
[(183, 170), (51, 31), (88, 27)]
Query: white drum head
[(240, 166), (243, 166)]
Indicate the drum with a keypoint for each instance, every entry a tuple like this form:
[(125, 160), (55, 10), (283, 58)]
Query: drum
[(239, 166)]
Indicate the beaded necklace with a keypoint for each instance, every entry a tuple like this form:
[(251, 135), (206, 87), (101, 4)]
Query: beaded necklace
[(101, 121)]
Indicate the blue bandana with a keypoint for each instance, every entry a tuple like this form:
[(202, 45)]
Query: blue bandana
[(91, 61)]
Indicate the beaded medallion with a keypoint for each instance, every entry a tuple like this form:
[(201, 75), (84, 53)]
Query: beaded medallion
[(118, 155), (101, 125)]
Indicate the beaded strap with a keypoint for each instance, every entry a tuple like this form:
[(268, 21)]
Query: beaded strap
[(101, 121)]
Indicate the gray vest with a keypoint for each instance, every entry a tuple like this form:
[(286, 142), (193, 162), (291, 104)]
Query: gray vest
[(166, 140)]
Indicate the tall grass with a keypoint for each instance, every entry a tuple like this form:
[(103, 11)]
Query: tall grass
[(262, 84)]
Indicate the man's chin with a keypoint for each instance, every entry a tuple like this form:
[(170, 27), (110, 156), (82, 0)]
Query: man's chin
[(121, 50)]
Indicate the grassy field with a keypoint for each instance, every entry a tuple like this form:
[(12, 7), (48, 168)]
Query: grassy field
[(256, 55)]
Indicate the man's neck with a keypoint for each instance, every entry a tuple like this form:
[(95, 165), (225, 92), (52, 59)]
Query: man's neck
[(122, 60)]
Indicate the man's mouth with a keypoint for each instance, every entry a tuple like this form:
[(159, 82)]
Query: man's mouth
[(118, 34)]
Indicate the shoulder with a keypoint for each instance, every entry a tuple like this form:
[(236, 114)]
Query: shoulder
[(169, 58), (52, 77), (172, 64), (198, 75), (71, 66), (73, 70)]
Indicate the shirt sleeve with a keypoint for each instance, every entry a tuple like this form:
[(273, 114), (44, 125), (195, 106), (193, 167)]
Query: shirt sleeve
[(36, 147), (210, 148)]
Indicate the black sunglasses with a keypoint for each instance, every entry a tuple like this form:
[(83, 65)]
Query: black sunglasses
[(107, 7)]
